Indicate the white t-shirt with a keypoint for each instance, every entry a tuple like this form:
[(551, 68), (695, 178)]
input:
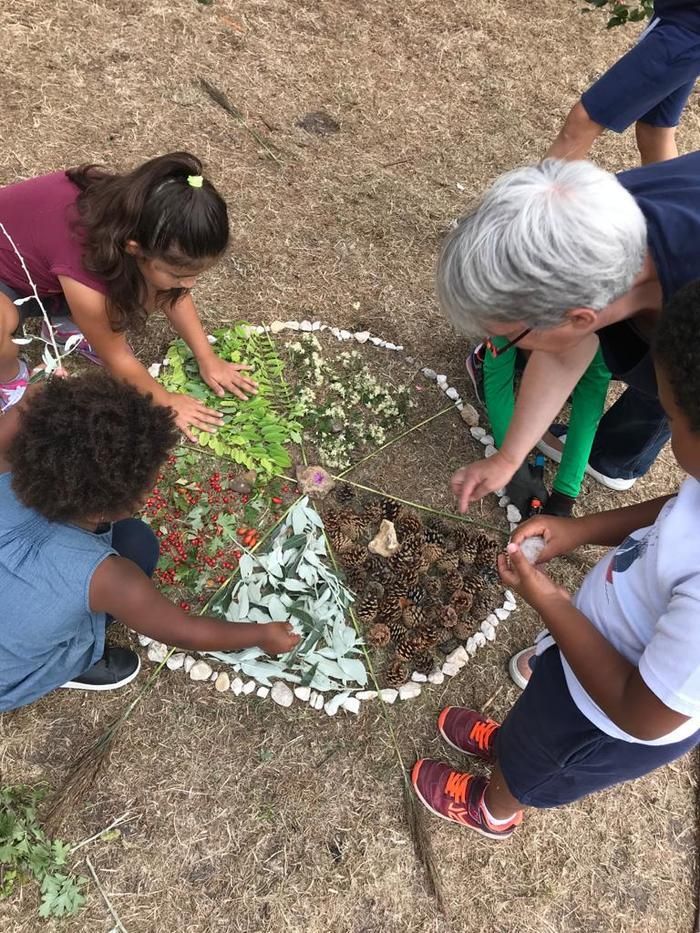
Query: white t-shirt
[(644, 597)]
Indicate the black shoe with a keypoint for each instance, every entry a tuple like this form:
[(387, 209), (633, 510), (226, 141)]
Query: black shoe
[(116, 667), (559, 504)]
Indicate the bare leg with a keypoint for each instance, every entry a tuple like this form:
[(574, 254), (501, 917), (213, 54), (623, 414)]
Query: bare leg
[(500, 802), (656, 143), (576, 136), (9, 351)]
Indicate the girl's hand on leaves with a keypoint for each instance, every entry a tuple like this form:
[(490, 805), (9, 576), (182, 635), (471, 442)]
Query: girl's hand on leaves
[(278, 637), (190, 413), (561, 535), (223, 377), (480, 478), (535, 587)]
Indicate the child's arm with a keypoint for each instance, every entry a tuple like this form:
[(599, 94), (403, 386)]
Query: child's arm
[(89, 312), (121, 589), (609, 679), (219, 375)]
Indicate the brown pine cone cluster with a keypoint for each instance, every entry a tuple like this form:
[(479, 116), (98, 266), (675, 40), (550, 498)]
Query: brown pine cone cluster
[(461, 602), (390, 509), (408, 523), (487, 552), (409, 644), (339, 541), (424, 662), (432, 553), (448, 616), (356, 579), (413, 617), (396, 672), (368, 608), (452, 581), (390, 611), (372, 512), (344, 493), (432, 586), (354, 557), (378, 635), (417, 593), (447, 563), (462, 631)]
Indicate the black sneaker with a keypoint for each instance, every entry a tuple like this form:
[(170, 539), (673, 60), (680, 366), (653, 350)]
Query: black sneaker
[(116, 668)]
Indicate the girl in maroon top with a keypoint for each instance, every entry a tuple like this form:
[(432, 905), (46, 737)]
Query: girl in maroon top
[(105, 251)]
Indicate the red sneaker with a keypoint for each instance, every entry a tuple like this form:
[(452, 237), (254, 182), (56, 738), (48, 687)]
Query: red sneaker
[(457, 797), (468, 731)]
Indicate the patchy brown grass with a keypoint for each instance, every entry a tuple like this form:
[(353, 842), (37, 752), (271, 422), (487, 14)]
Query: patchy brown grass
[(250, 818)]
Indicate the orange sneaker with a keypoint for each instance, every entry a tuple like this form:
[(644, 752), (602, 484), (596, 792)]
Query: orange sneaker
[(468, 731), (458, 797)]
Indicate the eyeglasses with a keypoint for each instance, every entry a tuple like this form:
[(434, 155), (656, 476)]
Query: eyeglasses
[(499, 351)]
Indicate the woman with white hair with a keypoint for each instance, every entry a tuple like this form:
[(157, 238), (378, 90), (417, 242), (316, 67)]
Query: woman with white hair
[(562, 258)]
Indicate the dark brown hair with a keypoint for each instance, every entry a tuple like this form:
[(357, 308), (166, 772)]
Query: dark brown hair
[(677, 349), (156, 206)]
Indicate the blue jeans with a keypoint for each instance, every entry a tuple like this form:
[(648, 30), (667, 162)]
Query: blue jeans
[(133, 539)]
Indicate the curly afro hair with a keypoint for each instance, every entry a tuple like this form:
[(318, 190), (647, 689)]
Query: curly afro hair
[(87, 446), (677, 350)]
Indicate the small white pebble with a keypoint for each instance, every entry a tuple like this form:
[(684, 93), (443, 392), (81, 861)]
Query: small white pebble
[(513, 525), (437, 677), (222, 682), (188, 663), (345, 335), (479, 639), (441, 379), (333, 704), (458, 656), (502, 614), (532, 548), (471, 645), (175, 661), (486, 439), (306, 325), (316, 325), (303, 694), (419, 678), (366, 694), (335, 331), (144, 641), (500, 492), (263, 692), (452, 393), (429, 373), (504, 501), (236, 686), (488, 630), (281, 694), (352, 705), (388, 695), (492, 619), (214, 675), (292, 325), (154, 370), (477, 432), (200, 670), (377, 341), (490, 451), (449, 670), (362, 336), (409, 691), (513, 513), (211, 338), (249, 688), (277, 327), (509, 595), (510, 606), (157, 652), (459, 404)]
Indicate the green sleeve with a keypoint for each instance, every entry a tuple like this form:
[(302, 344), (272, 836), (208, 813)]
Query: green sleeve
[(499, 393)]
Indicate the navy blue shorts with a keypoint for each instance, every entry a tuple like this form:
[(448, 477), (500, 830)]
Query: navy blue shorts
[(56, 305), (651, 83), (550, 754)]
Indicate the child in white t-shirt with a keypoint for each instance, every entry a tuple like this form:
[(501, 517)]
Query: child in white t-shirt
[(615, 690)]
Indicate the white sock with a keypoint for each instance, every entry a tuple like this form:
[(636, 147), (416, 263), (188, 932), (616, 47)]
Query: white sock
[(492, 819)]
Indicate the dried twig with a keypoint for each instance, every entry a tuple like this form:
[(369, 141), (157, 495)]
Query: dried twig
[(110, 907), (222, 100)]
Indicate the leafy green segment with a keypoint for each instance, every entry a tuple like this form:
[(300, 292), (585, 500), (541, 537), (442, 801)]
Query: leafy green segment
[(622, 13), (255, 433), (293, 581), (26, 852)]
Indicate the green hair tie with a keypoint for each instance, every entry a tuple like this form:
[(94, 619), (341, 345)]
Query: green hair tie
[(195, 181)]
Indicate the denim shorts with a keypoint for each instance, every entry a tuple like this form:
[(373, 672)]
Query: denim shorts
[(56, 305), (651, 83), (551, 755)]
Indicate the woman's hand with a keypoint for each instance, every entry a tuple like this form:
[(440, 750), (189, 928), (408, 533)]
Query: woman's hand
[(191, 413), (480, 478), (278, 637), (561, 535), (535, 587), (223, 377)]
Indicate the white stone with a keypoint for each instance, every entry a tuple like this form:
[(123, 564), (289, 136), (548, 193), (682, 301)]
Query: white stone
[(504, 501), (502, 614), (471, 645), (157, 652), (531, 549), (316, 325), (222, 682), (335, 331), (211, 338), (409, 691), (317, 702), (492, 619), (362, 336), (144, 641), (441, 379), (154, 370), (429, 373), (352, 705), (366, 694), (331, 706), (509, 595), (449, 670), (437, 677), (388, 695), (345, 335), (175, 661), (513, 513), (513, 525), (281, 694), (459, 404), (490, 451), (277, 327), (479, 639), (409, 359), (377, 341), (458, 656), (249, 688), (510, 605), (488, 630), (263, 692), (470, 415), (200, 671), (419, 678), (214, 675), (292, 325), (477, 432), (236, 686), (486, 439), (303, 694), (306, 325), (452, 393), (188, 663)]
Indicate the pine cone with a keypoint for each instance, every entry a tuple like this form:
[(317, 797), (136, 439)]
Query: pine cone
[(409, 524), (413, 616), (410, 551), (432, 553), (449, 616), (389, 611), (331, 519), (462, 631), (417, 593), (461, 602), (492, 577), (397, 631), (452, 581), (481, 606), (432, 586), (409, 645), (368, 608), (372, 512), (434, 536), (396, 673), (377, 568), (356, 579), (430, 633), (424, 662), (378, 635), (403, 577), (355, 556), (390, 509), (467, 545), (339, 541), (443, 635), (472, 583), (447, 563), (487, 552), (344, 493)]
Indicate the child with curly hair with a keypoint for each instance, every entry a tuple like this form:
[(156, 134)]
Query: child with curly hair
[(105, 251), (615, 689), (78, 457)]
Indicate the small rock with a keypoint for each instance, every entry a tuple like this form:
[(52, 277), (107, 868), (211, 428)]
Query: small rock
[(513, 513), (385, 542), (236, 686), (447, 646), (502, 614), (314, 481), (211, 338), (504, 501), (200, 671), (214, 675), (345, 335), (470, 646), (469, 415), (388, 695), (429, 373), (479, 639), (409, 691), (458, 656), (281, 694), (316, 702), (452, 393), (277, 327), (492, 619), (488, 630), (249, 688), (250, 477), (331, 706), (437, 677), (486, 439), (175, 661), (362, 336), (510, 605), (335, 331), (222, 682), (509, 595), (263, 692), (292, 325), (459, 404), (500, 492), (449, 670), (477, 432), (513, 525), (366, 695), (441, 379), (157, 652), (337, 427), (419, 678), (188, 663), (306, 325), (531, 548), (144, 641), (352, 705), (303, 694), (318, 122), (240, 486), (317, 325), (377, 341), (154, 370), (490, 451)]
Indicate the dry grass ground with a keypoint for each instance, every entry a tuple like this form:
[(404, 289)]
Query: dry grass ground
[(249, 818)]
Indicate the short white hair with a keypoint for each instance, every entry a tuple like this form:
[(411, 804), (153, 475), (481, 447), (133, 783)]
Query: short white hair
[(543, 240)]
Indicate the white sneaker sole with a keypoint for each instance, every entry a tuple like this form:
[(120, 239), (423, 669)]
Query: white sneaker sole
[(101, 688), (514, 672), (610, 482)]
